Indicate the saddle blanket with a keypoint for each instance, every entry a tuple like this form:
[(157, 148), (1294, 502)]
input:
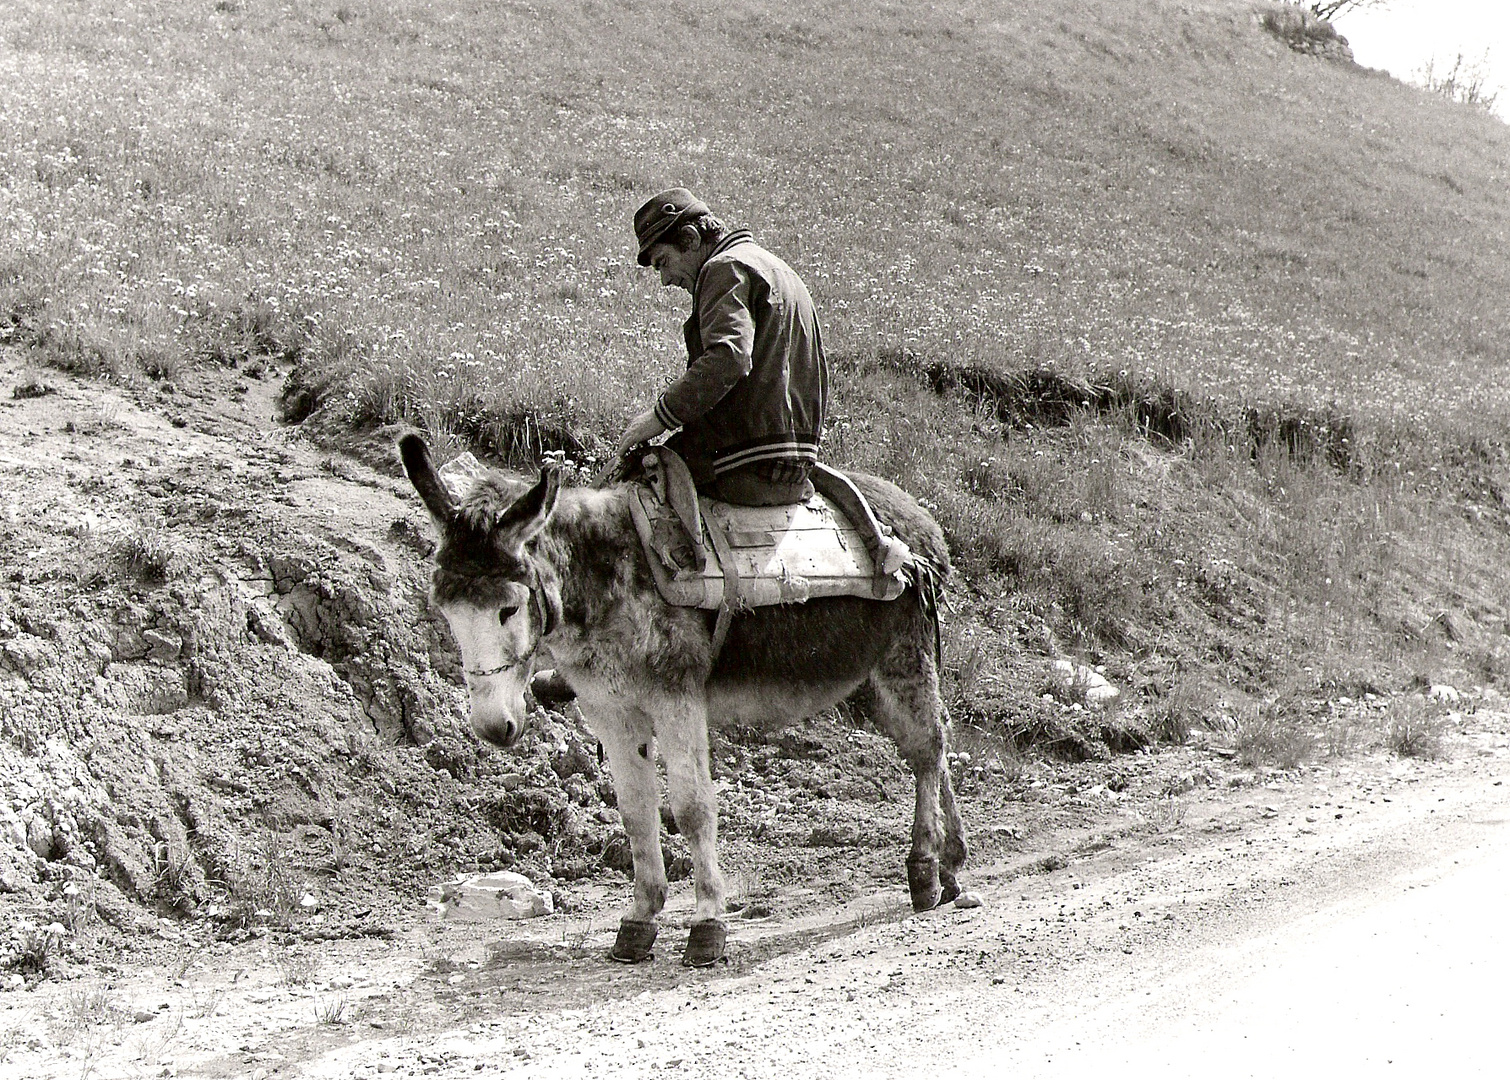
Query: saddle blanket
[(752, 556), (757, 555)]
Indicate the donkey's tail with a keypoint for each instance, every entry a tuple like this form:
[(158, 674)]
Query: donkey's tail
[(928, 580)]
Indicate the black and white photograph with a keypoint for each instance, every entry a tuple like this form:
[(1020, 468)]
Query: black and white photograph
[(742, 540)]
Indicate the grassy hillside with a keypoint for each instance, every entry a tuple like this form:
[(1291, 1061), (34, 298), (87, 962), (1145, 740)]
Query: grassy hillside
[(1277, 281), (443, 189)]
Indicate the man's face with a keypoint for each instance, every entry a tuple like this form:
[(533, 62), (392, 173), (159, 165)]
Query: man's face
[(676, 267)]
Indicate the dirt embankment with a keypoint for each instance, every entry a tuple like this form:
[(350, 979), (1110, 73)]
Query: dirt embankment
[(222, 696), (226, 710)]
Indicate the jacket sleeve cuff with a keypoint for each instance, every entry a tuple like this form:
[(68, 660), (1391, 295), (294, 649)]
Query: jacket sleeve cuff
[(665, 415)]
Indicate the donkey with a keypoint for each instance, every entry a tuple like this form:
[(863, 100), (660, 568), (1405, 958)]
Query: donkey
[(523, 566)]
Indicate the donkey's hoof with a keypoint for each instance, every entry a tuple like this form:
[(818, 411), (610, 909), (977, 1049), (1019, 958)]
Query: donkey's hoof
[(636, 939), (923, 882), (705, 944), (948, 888)]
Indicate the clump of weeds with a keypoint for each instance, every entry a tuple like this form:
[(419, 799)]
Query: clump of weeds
[(262, 886), (1274, 733), (1167, 814), (335, 1011), (1416, 728), (148, 553), (295, 967), (32, 950), (1188, 706), (32, 386), (576, 938)]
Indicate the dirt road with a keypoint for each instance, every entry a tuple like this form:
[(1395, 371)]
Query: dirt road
[(1340, 920), (1369, 936)]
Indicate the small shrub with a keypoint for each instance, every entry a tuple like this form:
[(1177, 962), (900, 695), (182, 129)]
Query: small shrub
[(1273, 735), (1415, 728), (298, 968), (1167, 814), (160, 365), (31, 949), (149, 555), (87, 1007), (252, 329), (21, 315), (334, 1012), (1301, 30), (1340, 737), (68, 349), (984, 752), (32, 387), (1466, 82), (176, 875), (263, 886), (1175, 715), (577, 938)]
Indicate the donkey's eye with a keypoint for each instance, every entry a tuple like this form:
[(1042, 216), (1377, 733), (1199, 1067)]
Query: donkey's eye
[(505, 614)]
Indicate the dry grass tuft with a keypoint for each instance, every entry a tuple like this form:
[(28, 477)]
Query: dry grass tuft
[(1274, 734), (1416, 728), (148, 552)]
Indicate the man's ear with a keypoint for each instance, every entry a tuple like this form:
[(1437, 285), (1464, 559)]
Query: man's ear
[(688, 238)]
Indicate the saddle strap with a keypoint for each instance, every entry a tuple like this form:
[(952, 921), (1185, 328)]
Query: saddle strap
[(733, 596), (681, 496), (887, 553)]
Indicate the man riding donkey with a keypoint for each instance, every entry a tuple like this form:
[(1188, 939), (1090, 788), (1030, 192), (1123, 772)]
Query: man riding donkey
[(750, 405), (735, 514)]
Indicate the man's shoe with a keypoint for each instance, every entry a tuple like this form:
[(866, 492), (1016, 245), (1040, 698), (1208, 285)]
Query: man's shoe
[(550, 688)]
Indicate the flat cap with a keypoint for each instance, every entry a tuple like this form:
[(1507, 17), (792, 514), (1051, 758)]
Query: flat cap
[(662, 214)]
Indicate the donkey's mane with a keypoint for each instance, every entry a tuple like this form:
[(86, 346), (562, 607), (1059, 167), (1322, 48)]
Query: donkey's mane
[(470, 567)]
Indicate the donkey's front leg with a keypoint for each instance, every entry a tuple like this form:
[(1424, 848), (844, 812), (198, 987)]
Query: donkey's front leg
[(682, 731), (626, 734)]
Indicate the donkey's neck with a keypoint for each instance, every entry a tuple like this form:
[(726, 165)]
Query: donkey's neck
[(592, 545)]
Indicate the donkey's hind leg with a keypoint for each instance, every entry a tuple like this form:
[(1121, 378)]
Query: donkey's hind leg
[(905, 704), (626, 734), (953, 856)]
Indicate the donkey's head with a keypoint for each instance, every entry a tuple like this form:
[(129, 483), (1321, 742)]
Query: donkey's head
[(488, 585)]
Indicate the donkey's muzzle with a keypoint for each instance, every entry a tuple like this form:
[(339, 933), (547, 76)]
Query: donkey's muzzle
[(502, 734)]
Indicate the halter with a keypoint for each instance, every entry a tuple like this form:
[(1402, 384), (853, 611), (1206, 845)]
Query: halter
[(538, 608), (495, 670)]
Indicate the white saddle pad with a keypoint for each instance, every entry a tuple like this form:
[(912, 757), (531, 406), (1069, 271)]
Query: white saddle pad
[(764, 554)]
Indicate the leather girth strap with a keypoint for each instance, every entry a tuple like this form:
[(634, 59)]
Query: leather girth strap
[(733, 597)]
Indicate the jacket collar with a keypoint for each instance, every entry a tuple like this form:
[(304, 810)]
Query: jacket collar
[(738, 236)]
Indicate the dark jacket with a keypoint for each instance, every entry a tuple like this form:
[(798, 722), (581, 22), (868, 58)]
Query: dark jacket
[(756, 384)]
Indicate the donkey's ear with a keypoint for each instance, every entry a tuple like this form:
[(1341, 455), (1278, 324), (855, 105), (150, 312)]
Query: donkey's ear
[(529, 513), (426, 481)]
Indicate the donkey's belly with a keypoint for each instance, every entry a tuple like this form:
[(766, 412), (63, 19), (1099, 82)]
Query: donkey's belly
[(769, 704)]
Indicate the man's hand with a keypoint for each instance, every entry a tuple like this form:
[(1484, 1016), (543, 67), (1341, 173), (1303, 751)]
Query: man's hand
[(641, 429)]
